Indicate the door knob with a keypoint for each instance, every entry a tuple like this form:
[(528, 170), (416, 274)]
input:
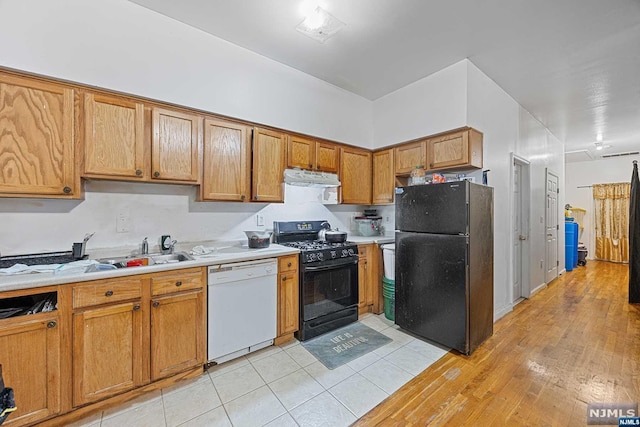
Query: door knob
[(521, 237)]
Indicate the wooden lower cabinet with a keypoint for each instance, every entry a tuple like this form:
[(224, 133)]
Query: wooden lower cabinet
[(368, 278), (288, 298), (178, 328), (30, 359), (107, 351)]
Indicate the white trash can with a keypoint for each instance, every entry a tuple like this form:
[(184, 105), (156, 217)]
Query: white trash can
[(389, 260)]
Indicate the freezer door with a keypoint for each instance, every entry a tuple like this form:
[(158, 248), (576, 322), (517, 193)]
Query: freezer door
[(435, 208), (431, 287)]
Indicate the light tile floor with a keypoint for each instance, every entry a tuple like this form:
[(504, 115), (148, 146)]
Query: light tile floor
[(282, 386)]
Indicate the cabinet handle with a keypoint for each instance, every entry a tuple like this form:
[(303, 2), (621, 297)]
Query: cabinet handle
[(310, 166), (255, 197), (318, 167), (390, 199), (156, 304), (156, 174), (179, 283), (242, 197), (67, 190), (284, 278), (431, 165), (138, 172), (136, 307), (108, 293), (51, 324), (288, 264)]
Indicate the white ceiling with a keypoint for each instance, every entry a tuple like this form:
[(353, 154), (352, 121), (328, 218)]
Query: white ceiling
[(574, 64)]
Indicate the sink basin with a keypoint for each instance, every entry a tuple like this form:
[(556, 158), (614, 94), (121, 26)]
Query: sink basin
[(148, 259)]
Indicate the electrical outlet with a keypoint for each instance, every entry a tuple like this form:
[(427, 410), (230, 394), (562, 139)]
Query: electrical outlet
[(123, 222), (541, 263), (387, 219), (260, 220)]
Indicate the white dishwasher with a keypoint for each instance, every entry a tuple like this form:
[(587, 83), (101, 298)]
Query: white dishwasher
[(242, 303)]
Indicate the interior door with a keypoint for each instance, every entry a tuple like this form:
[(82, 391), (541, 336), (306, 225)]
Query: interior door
[(551, 224), (518, 234)]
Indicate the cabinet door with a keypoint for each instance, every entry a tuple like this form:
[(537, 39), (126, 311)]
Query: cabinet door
[(114, 137), (355, 175), (175, 146), (30, 359), (448, 151), (178, 333), (301, 153), (383, 177), (288, 310), (107, 351), (268, 165), (227, 150), (365, 277), (327, 157), (36, 139), (407, 157)]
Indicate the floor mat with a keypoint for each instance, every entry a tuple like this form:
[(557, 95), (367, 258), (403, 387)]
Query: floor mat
[(343, 345)]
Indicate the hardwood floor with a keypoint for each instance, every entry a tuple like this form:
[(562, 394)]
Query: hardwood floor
[(573, 343)]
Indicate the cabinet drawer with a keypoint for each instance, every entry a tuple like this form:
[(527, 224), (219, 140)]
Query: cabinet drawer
[(107, 291), (287, 263), (176, 281)]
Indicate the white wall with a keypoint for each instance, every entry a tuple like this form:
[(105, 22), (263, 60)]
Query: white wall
[(30, 226), (434, 104), (118, 45), (614, 169), (507, 129)]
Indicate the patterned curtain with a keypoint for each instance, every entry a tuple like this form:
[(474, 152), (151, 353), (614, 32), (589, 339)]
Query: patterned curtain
[(612, 221)]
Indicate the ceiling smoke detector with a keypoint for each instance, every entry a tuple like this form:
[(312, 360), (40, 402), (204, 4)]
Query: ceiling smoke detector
[(320, 25)]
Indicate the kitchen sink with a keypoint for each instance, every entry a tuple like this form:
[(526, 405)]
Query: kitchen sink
[(147, 259)]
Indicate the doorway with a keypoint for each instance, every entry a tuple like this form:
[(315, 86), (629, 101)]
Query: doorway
[(521, 196), (551, 226)]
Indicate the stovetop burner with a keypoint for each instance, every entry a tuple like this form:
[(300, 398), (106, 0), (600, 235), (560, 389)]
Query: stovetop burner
[(312, 245), (319, 251)]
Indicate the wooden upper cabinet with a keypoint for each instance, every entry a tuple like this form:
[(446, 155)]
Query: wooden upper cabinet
[(355, 175), (301, 153), (456, 150), (327, 156), (175, 146), (269, 153), (37, 156), (226, 168), (113, 138), (408, 156), (383, 177), (305, 153)]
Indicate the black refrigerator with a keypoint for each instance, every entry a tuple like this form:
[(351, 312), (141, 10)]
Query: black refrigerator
[(444, 263)]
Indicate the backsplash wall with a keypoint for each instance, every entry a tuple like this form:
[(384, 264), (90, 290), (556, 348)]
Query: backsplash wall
[(40, 225)]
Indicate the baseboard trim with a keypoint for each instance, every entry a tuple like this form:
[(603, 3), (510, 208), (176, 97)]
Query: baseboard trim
[(502, 312)]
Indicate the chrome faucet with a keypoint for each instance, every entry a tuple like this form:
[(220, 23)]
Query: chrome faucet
[(145, 247)]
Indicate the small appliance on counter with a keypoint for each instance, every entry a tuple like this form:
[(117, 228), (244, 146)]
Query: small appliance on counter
[(369, 224), (258, 239)]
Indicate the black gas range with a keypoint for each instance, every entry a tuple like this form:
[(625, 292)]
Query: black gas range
[(328, 277)]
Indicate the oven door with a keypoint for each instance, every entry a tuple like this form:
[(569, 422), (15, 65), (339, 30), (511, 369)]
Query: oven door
[(328, 287)]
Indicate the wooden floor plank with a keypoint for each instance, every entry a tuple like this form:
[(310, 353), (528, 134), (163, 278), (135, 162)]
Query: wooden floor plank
[(574, 343)]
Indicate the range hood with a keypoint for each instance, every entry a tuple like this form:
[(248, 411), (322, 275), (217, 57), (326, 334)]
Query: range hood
[(303, 178)]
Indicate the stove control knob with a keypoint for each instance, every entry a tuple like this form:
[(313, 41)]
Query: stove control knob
[(345, 253), (312, 257), (320, 257), (333, 254), (350, 252)]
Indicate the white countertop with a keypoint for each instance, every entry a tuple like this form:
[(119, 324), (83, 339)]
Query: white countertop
[(227, 254), (371, 239)]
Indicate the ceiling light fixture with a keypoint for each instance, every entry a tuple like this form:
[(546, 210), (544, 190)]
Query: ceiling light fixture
[(599, 137), (599, 146), (318, 24)]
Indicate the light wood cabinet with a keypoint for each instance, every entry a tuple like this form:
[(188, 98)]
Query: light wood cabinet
[(175, 146), (305, 153), (269, 153), (37, 139), (288, 298), (458, 150), (408, 156), (366, 264), (178, 329), (226, 156), (107, 341), (383, 177), (30, 359), (113, 138), (355, 176)]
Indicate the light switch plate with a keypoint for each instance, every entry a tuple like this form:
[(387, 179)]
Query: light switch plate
[(260, 220)]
